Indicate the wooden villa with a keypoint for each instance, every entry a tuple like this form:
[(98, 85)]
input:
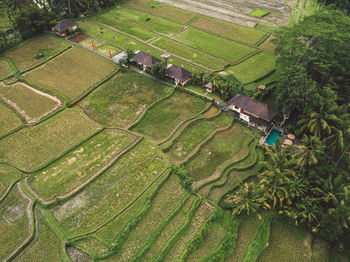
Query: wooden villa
[(257, 114), (145, 60), (180, 75), (64, 25)]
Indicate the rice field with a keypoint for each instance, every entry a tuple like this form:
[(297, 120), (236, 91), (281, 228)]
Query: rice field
[(5, 69), (113, 191), (31, 104), (123, 99), (80, 164), (9, 176), (32, 148), (26, 56), (162, 118), (72, 74), (8, 120)]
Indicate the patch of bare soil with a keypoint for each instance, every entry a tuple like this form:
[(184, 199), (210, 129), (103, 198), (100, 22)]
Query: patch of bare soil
[(78, 256)]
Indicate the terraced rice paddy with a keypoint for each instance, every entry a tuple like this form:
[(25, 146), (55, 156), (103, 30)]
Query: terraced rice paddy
[(85, 69), (30, 103), (9, 176), (25, 56), (5, 69), (162, 118), (123, 99), (31, 148)]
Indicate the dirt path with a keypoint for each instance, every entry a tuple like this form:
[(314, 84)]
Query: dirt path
[(78, 188), (27, 119), (12, 254)]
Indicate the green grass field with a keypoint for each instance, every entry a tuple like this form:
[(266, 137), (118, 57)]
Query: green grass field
[(73, 73), (105, 48), (178, 15), (24, 56), (112, 191), (228, 30), (79, 165), (46, 246), (222, 48), (222, 147), (147, 21), (14, 224), (194, 134), (122, 100), (31, 104), (5, 69), (113, 20), (188, 53), (270, 44), (89, 41), (8, 120), (253, 68), (162, 118), (9, 175), (31, 148), (259, 13)]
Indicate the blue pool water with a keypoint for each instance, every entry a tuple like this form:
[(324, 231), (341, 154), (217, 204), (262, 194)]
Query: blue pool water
[(273, 137)]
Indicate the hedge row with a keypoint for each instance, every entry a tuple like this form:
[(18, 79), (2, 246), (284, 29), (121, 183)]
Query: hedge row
[(260, 242), (193, 244), (167, 247), (159, 230)]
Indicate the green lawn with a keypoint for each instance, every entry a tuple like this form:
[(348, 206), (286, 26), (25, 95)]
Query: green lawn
[(14, 224), (161, 119), (188, 53), (194, 134), (150, 22), (8, 120), (168, 12), (225, 49), (112, 191), (79, 165), (9, 175), (24, 56), (112, 19), (31, 104), (223, 146), (122, 100), (46, 246), (31, 148), (73, 73), (229, 30), (254, 67), (105, 48)]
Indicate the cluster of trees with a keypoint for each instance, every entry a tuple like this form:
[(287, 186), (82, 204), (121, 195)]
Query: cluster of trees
[(313, 95), (226, 86), (302, 184), (339, 4)]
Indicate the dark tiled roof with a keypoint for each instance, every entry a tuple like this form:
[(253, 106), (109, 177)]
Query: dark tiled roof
[(63, 25), (256, 121), (146, 59), (178, 72), (253, 107)]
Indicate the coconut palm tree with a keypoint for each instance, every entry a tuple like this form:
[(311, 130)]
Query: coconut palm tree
[(309, 153), (335, 141)]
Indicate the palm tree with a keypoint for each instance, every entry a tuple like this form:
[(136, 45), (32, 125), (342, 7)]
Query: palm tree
[(335, 141), (317, 124), (309, 152), (248, 198)]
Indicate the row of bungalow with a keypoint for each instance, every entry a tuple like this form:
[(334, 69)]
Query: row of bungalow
[(180, 75)]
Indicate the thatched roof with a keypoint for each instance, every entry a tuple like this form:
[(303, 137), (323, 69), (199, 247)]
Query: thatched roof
[(253, 107), (145, 59), (64, 25), (178, 72), (209, 85)]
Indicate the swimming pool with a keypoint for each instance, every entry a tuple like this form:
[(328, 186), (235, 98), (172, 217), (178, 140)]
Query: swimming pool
[(273, 137)]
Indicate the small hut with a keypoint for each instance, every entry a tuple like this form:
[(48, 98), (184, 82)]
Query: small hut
[(262, 87), (64, 25), (209, 87)]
